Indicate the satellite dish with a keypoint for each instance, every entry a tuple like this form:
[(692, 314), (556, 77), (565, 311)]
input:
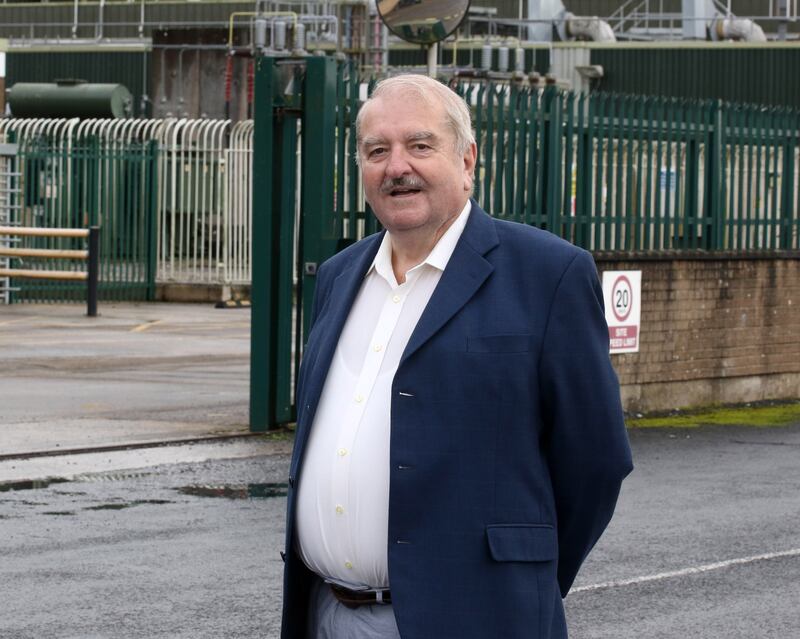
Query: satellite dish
[(422, 21)]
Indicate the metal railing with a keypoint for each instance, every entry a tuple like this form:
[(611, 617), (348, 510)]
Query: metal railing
[(9, 207), (74, 174), (174, 196), (621, 173), (205, 206), (607, 172), (615, 172), (89, 255)]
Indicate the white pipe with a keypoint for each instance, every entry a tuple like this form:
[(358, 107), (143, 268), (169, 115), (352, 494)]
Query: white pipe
[(75, 21), (433, 54), (98, 28), (592, 28), (331, 21), (737, 29)]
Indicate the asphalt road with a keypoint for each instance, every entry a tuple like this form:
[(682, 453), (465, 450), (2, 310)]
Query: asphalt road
[(138, 373), (705, 544)]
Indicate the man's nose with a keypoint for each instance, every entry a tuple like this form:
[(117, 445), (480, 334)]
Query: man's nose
[(397, 165)]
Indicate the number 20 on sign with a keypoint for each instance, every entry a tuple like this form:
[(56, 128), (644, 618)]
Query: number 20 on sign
[(622, 294)]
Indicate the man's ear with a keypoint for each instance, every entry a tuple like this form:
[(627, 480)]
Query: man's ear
[(470, 158)]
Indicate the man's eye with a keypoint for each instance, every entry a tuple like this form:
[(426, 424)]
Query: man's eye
[(376, 152), (421, 147)]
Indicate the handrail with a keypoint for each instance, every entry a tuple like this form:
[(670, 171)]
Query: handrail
[(90, 276)]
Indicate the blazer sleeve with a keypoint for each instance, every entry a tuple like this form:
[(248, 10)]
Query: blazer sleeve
[(585, 441)]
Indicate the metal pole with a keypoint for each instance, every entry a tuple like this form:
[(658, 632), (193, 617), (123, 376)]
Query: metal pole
[(94, 263), (433, 54), (264, 277)]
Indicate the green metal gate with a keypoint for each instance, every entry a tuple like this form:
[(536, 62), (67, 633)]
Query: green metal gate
[(76, 183)]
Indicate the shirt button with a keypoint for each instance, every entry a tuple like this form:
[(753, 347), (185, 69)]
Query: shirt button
[(377, 348), (396, 299), (339, 510), (342, 452), (348, 565), (359, 398)]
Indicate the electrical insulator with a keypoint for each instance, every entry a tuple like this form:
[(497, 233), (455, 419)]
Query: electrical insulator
[(502, 59), (486, 57), (260, 37), (279, 35)]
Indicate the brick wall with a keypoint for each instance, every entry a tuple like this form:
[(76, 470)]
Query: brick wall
[(714, 329)]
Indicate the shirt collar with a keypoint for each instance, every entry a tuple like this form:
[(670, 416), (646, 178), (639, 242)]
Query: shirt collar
[(437, 258)]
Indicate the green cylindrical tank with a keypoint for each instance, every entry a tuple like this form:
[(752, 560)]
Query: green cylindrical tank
[(69, 99)]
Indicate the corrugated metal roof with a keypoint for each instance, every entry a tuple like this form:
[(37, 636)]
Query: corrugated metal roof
[(755, 74)]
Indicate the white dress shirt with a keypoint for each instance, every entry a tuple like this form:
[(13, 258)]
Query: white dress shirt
[(343, 494)]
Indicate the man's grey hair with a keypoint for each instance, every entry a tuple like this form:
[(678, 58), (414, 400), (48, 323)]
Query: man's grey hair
[(431, 91)]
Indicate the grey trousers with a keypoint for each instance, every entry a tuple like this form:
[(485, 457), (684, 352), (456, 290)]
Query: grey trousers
[(330, 619)]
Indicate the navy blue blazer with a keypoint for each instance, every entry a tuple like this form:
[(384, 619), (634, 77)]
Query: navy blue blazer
[(508, 444)]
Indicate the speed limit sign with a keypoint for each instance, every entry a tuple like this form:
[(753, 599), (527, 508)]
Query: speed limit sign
[(622, 297)]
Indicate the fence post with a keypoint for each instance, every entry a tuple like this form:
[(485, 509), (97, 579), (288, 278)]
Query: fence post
[(714, 206), (787, 181), (262, 331), (152, 153), (583, 172), (551, 138), (284, 189), (94, 263), (321, 228)]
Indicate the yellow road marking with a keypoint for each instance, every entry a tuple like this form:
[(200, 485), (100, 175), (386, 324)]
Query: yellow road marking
[(143, 327)]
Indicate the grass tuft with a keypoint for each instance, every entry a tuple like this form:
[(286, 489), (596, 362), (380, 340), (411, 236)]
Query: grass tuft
[(758, 415)]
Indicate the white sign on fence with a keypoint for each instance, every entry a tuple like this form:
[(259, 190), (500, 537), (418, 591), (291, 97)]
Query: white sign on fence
[(622, 293)]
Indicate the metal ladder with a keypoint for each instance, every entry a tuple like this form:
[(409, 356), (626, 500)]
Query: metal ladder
[(10, 206)]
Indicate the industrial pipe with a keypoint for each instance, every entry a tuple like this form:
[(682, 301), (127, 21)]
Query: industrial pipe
[(737, 29), (591, 28)]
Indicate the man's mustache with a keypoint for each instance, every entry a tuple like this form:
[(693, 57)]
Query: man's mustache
[(405, 181)]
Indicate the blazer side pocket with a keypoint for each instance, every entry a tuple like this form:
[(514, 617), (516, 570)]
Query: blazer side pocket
[(500, 344), (522, 542)]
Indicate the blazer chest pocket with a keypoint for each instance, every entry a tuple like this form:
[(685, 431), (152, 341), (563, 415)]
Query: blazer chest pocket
[(500, 344), (522, 542)]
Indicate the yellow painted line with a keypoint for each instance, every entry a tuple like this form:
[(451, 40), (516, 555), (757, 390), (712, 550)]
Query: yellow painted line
[(143, 327)]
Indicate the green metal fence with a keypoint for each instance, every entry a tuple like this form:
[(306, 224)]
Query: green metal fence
[(607, 172), (71, 182), (611, 172), (621, 173)]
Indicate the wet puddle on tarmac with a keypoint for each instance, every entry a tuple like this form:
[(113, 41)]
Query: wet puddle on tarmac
[(236, 491), (30, 484), (109, 506), (128, 504)]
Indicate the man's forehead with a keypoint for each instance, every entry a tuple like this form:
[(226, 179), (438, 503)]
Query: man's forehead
[(404, 106), (408, 120)]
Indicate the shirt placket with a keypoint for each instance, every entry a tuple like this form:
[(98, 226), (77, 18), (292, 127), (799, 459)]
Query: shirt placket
[(353, 417)]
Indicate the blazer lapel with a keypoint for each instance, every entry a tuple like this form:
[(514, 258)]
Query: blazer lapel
[(466, 271)]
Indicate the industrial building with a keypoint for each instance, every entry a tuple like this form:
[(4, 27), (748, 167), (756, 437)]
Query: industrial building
[(183, 58)]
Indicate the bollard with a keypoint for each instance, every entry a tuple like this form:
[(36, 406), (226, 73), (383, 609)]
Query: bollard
[(93, 271)]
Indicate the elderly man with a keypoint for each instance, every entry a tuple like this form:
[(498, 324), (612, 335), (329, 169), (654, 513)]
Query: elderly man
[(460, 441)]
